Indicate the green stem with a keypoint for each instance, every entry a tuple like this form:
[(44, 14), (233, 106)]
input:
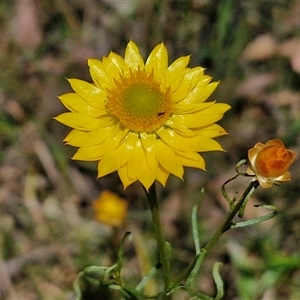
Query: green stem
[(161, 242), (228, 221), (191, 272)]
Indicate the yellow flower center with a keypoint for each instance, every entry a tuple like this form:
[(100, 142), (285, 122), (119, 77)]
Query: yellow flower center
[(139, 102)]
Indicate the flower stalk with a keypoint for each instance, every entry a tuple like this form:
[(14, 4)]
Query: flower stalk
[(159, 235), (192, 270), (228, 221)]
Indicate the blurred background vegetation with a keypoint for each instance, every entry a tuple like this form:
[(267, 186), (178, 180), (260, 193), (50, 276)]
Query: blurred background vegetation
[(48, 231)]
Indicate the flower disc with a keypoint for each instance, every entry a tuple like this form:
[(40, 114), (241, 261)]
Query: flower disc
[(139, 102)]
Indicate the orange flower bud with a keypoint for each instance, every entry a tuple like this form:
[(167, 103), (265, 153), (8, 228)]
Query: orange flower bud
[(110, 209), (270, 162)]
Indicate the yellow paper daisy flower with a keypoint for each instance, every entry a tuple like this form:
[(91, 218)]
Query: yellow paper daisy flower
[(145, 120), (110, 209)]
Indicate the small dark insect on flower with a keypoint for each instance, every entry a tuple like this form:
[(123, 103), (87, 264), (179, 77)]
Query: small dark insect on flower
[(161, 113)]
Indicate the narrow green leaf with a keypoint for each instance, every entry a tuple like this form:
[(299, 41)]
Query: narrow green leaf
[(218, 280), (257, 220)]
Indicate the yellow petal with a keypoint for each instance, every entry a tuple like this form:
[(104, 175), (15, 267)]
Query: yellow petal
[(146, 176), (79, 138), (192, 78), (96, 152), (167, 135), (200, 93), (208, 116), (151, 160), (123, 174), (182, 108), (191, 159), (83, 122), (264, 182), (194, 143), (111, 70), (117, 137), (91, 153), (75, 103), (133, 58), (252, 154), (118, 133), (182, 91), (212, 131), (157, 61), (136, 160), (198, 143), (117, 60), (162, 175), (178, 65), (168, 159), (259, 145), (195, 75), (98, 73), (275, 142), (110, 162), (88, 91), (285, 177), (182, 130), (129, 145), (148, 143), (250, 171), (175, 72), (195, 72)]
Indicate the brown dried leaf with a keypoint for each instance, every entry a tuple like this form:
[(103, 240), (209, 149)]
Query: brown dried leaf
[(295, 59), (26, 30), (261, 48), (288, 97), (255, 84), (291, 49), (287, 48)]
